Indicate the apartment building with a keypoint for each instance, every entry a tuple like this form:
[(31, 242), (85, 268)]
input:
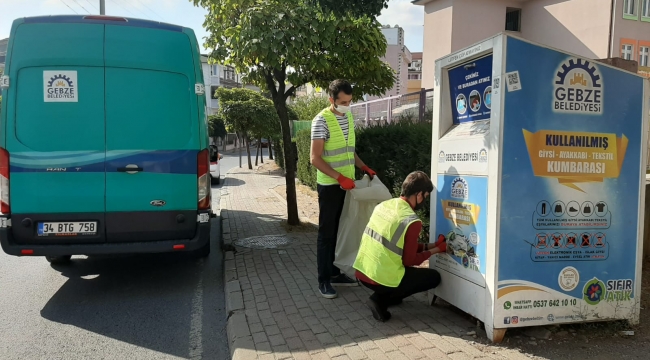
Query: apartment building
[(414, 82), (398, 57), (215, 76), (3, 53), (596, 29)]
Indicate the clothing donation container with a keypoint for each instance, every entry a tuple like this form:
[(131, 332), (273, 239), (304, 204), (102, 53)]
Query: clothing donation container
[(538, 163)]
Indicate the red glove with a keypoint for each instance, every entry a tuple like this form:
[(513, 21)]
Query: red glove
[(346, 183), (369, 171), (441, 243)]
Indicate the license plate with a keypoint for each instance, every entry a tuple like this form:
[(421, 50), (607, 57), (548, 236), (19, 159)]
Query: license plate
[(67, 228)]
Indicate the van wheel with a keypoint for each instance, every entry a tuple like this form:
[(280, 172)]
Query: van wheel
[(59, 260), (215, 181), (202, 252)]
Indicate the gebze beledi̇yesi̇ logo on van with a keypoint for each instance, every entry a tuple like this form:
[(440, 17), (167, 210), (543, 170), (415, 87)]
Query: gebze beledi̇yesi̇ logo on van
[(60, 86), (578, 88)]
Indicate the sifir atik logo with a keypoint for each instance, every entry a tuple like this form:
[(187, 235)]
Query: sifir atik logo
[(578, 88)]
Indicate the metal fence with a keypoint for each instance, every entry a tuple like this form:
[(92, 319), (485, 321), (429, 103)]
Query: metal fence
[(297, 125), (417, 106)]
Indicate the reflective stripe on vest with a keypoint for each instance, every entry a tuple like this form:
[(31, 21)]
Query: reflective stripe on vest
[(382, 243), (338, 152)]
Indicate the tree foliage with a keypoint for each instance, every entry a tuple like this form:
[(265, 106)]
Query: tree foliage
[(356, 7), (282, 44), (307, 108), (217, 127), (248, 113)]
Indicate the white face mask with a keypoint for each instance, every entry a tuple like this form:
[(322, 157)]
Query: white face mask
[(342, 109)]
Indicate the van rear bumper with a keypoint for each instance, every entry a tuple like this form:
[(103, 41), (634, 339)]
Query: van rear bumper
[(10, 247)]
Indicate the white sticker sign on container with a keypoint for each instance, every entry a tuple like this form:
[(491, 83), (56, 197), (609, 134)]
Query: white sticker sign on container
[(60, 86), (463, 156)]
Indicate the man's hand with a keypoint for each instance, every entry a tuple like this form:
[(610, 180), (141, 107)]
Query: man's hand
[(346, 183), (442, 247), (369, 171)]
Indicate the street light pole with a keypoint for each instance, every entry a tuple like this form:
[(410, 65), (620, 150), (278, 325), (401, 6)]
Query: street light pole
[(102, 7)]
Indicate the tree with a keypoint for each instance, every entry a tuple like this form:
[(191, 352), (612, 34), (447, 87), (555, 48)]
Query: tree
[(356, 7), (276, 42), (217, 127), (308, 107), (244, 111)]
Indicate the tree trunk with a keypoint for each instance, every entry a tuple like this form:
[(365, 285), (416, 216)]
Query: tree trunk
[(270, 149), (257, 153), (273, 77), (225, 142), (248, 151), (261, 152), (289, 161)]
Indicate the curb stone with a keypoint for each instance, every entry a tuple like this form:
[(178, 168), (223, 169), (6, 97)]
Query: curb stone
[(240, 341)]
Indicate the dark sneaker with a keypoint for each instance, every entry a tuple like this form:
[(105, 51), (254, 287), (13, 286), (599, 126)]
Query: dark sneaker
[(327, 291), (344, 280), (378, 312)]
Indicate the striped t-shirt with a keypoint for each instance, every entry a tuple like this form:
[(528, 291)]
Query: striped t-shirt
[(319, 129)]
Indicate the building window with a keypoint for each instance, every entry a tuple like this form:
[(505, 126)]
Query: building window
[(213, 92), (627, 52), (629, 8), (229, 73), (645, 12), (415, 76), (215, 70), (644, 51), (513, 19)]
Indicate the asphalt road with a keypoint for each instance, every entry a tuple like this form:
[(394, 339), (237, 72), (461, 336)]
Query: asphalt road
[(164, 306)]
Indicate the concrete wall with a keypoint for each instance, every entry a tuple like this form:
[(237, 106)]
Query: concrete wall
[(577, 26), (475, 21), (438, 21)]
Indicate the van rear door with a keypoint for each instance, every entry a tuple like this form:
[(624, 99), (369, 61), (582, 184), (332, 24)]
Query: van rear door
[(55, 133), (152, 135)]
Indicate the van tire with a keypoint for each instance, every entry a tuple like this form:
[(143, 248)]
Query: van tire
[(59, 260), (215, 181), (202, 252)]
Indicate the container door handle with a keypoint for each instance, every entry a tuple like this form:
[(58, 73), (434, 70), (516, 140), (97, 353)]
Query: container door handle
[(130, 169)]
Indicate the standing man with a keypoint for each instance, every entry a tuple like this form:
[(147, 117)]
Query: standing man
[(334, 157), (389, 249)]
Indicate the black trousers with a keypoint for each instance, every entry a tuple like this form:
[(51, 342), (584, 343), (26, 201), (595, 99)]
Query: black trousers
[(330, 204), (415, 280)]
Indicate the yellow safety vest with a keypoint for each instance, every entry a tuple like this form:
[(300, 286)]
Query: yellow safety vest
[(382, 243), (338, 153)]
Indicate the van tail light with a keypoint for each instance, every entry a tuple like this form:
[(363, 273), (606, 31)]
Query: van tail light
[(106, 18), (203, 174), (4, 182)]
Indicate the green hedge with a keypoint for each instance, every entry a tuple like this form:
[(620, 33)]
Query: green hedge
[(306, 172), (279, 151), (393, 151)]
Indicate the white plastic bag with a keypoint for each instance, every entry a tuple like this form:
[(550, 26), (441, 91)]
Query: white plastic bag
[(357, 209)]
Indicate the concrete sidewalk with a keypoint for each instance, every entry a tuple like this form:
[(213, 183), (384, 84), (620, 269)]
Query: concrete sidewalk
[(276, 312)]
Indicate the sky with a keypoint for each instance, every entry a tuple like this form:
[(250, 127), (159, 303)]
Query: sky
[(184, 13)]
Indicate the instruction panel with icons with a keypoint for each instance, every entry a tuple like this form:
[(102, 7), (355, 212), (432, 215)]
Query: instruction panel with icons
[(558, 214)]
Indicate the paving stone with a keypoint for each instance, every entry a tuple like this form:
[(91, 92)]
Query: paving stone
[(278, 312), (355, 352)]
